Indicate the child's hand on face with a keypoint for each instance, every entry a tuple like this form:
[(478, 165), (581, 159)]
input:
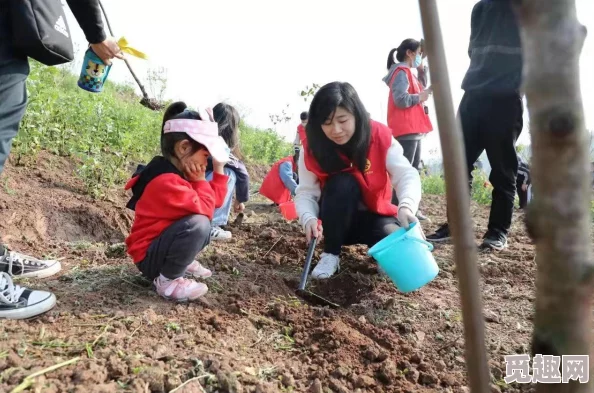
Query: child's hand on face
[(194, 171)]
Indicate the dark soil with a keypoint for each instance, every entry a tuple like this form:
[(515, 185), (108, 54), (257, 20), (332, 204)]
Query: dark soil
[(250, 333)]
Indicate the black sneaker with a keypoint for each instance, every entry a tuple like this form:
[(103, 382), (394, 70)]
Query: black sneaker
[(441, 235), (21, 265), (495, 241), (20, 303)]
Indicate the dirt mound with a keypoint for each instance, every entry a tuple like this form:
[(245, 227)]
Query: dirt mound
[(250, 333)]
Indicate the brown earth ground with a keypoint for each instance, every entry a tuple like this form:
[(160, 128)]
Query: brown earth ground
[(250, 334)]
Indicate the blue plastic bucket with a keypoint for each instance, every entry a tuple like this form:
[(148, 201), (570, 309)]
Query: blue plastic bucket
[(93, 73), (406, 258)]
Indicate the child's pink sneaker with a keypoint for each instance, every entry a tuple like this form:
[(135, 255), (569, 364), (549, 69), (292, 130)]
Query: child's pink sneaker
[(195, 269), (180, 289)]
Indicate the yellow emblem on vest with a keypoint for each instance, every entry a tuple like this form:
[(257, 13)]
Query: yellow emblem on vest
[(367, 166)]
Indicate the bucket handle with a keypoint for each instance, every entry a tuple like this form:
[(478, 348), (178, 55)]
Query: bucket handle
[(424, 242)]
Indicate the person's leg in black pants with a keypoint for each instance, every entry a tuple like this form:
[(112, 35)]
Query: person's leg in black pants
[(522, 195), (416, 161), (501, 131), (411, 149), (470, 115), (412, 152), (345, 223), (338, 210), (171, 256), (370, 228), (339, 206), (175, 249)]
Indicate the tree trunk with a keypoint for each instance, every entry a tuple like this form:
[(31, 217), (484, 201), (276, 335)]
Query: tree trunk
[(558, 218)]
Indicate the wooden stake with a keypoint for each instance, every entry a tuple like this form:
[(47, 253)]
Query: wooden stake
[(458, 199)]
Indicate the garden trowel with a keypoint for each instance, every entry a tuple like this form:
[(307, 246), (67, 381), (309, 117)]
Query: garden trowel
[(301, 291)]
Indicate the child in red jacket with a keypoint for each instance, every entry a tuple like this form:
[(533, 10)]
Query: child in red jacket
[(174, 203)]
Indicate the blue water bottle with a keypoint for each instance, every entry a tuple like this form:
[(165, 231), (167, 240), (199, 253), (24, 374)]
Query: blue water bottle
[(93, 73)]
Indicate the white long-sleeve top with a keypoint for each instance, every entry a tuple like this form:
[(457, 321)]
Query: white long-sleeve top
[(403, 176)]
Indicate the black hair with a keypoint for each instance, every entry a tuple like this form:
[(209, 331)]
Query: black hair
[(303, 116), (228, 119), (323, 106), (408, 44), (177, 110), (391, 60)]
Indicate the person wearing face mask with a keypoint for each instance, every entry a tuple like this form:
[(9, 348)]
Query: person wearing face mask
[(300, 134), (347, 170), (407, 113)]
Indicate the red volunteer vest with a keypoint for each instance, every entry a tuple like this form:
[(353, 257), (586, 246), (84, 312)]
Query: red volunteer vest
[(411, 120), (301, 132), (375, 184), (273, 187)]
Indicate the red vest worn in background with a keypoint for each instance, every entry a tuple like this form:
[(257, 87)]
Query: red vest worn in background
[(301, 132), (273, 187), (411, 120), (375, 184)]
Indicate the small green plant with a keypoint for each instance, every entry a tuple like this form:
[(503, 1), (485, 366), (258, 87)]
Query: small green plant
[(480, 192), (481, 188), (433, 185), (172, 327)]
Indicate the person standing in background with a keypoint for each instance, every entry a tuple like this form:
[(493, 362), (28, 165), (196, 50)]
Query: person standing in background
[(407, 113), (300, 135), (491, 111), (18, 302)]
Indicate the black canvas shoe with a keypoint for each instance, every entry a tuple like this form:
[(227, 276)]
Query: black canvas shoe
[(21, 265), (20, 303), (495, 241), (441, 235)]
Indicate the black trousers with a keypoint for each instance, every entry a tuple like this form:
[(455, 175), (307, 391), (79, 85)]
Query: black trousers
[(522, 195), (344, 222), (493, 124), (412, 152), (175, 249)]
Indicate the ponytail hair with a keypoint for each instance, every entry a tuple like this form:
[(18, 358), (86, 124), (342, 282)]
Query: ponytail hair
[(228, 120), (391, 61)]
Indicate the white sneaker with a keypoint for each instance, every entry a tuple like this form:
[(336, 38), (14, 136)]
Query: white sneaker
[(20, 303), (326, 267), (218, 234), (26, 266), (196, 270)]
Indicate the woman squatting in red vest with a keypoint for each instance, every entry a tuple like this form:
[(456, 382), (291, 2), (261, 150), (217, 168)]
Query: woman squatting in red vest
[(407, 113), (348, 167), (280, 183)]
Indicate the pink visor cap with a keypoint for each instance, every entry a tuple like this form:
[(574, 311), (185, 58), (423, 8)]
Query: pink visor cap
[(204, 132)]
